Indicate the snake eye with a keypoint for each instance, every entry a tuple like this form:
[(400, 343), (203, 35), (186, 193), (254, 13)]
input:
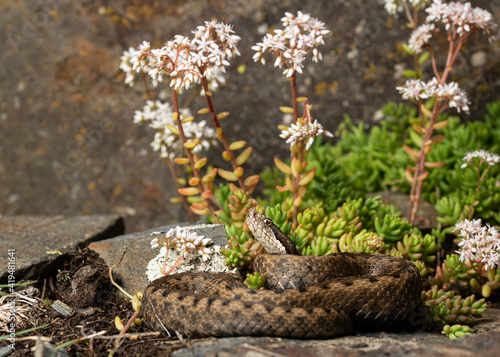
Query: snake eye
[(267, 221)]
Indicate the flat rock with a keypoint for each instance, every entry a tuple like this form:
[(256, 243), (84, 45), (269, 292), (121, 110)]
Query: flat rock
[(132, 271), (41, 242), (484, 342), (366, 344), (426, 214)]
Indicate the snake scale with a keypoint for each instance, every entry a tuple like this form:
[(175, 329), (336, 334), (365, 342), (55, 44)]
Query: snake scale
[(307, 296)]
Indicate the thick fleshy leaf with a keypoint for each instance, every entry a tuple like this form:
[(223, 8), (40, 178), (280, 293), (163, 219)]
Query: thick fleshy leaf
[(287, 170), (189, 191), (227, 175)]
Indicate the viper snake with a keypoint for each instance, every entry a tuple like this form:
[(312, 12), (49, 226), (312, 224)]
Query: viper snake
[(305, 296)]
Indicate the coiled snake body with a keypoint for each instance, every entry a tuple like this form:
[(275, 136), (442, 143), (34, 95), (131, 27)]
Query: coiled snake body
[(308, 296)]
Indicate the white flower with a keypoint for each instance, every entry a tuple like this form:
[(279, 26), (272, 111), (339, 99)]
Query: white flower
[(154, 243), (126, 65), (483, 155), (303, 132), (420, 37), (393, 6), (413, 89), (169, 145), (449, 93), (189, 242), (462, 18), (481, 243), (301, 34), (215, 81), (133, 61), (186, 60)]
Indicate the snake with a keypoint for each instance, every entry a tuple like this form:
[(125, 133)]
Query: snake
[(305, 297)]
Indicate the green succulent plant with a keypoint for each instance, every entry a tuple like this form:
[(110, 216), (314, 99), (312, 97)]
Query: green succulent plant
[(460, 277), (375, 160), (255, 281), (457, 331), (448, 308), (241, 256), (335, 215)]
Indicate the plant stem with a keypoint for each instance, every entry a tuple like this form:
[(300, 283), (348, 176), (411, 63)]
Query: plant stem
[(190, 156), (293, 82), (192, 96), (295, 183), (185, 203), (149, 94), (295, 179), (479, 179), (434, 66), (453, 52), (411, 19), (125, 329), (111, 276), (416, 186), (471, 211), (220, 131)]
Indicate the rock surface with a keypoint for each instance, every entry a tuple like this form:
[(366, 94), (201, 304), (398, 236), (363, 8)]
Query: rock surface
[(39, 243), (67, 135), (426, 216), (371, 344)]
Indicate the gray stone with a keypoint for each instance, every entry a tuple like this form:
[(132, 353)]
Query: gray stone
[(426, 215), (45, 349), (363, 344), (132, 271), (5, 351), (39, 243)]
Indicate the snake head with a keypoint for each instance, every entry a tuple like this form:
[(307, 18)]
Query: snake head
[(268, 234)]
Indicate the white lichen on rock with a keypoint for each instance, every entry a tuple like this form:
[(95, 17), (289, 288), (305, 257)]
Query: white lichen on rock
[(211, 260)]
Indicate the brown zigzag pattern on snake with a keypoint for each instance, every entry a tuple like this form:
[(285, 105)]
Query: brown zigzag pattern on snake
[(309, 296)]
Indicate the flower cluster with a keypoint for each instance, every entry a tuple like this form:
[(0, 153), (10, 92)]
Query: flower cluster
[(128, 62), (449, 93), (301, 34), (462, 18), (479, 243), (391, 6), (169, 145), (185, 242), (214, 43), (303, 132), (420, 37), (187, 60), (483, 155)]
